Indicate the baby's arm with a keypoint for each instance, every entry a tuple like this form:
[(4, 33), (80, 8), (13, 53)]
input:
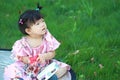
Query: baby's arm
[(46, 56), (24, 59), (49, 55), (27, 60), (41, 57)]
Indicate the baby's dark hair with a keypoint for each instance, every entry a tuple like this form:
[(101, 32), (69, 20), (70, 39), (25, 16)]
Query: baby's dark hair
[(29, 18)]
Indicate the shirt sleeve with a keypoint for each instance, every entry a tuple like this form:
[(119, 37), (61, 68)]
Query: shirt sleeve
[(18, 50), (52, 43)]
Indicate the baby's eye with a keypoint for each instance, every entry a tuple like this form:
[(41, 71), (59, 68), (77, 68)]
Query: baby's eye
[(37, 23), (43, 21)]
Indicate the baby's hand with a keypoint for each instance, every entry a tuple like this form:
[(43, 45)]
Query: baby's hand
[(24, 59), (41, 59)]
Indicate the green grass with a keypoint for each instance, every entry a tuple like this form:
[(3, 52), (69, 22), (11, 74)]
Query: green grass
[(86, 29)]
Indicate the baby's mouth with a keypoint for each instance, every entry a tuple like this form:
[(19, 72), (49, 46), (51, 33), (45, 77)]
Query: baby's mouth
[(43, 29)]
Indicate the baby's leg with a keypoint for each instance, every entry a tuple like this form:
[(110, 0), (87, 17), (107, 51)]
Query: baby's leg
[(61, 72)]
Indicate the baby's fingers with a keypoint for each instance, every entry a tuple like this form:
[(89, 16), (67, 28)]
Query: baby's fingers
[(38, 59)]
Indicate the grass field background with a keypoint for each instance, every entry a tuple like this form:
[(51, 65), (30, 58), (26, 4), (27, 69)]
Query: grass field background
[(89, 32)]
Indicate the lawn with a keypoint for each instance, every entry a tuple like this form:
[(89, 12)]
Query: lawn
[(88, 30)]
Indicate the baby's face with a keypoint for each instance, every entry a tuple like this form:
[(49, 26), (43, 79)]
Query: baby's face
[(39, 28)]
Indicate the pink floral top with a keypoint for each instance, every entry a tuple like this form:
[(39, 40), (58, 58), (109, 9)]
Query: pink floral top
[(22, 48)]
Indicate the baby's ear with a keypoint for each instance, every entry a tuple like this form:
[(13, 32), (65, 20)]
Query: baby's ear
[(28, 31)]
